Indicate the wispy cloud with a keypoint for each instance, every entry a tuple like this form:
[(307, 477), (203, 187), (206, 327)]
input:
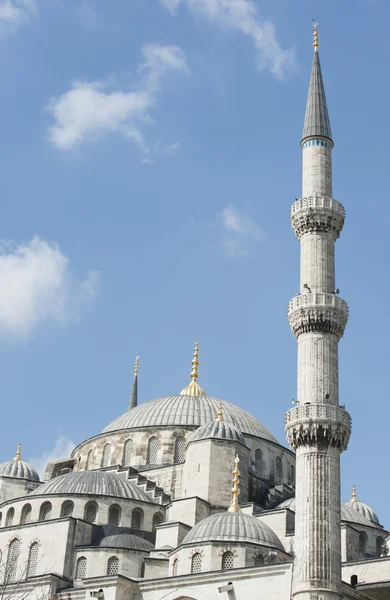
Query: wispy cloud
[(89, 110), (238, 232), (242, 16), (14, 13), (62, 449), (37, 286)]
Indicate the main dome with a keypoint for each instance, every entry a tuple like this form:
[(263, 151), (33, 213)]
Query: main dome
[(188, 411)]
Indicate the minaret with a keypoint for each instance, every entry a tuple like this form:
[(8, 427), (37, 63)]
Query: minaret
[(318, 429), (134, 391)]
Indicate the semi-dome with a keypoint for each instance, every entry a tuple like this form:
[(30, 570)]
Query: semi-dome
[(127, 541), (18, 468), (188, 411), (362, 508), (348, 514), (233, 527), (92, 483)]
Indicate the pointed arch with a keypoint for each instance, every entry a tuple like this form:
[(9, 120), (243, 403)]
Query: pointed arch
[(227, 560), (196, 563), (179, 455), (106, 456), (113, 565), (127, 452), (137, 518), (25, 516), (152, 451), (88, 464), (32, 562), (81, 568), (9, 519), (114, 515), (45, 512), (11, 567), (67, 508)]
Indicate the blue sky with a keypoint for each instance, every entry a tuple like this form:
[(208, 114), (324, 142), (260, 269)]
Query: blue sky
[(149, 156)]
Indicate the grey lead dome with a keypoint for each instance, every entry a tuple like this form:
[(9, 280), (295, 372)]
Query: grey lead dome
[(233, 527), (188, 411), (19, 469), (126, 540), (348, 514), (219, 430)]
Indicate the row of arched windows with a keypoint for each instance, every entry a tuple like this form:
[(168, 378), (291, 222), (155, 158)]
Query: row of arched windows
[(227, 562), (11, 573), (81, 567), (259, 467)]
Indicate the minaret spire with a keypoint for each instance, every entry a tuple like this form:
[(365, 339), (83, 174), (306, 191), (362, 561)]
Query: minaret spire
[(17, 455), (318, 429), (134, 391)]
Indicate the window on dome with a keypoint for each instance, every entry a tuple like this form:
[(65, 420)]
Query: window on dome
[(143, 565), (81, 567), (127, 452), (196, 563), (259, 462), (228, 560), (26, 514), (106, 456), (137, 517), (67, 508), (11, 567), (180, 450), (90, 512), (279, 469), (45, 512), (292, 475), (362, 543), (113, 565), (114, 515), (32, 559), (175, 567), (10, 517), (259, 559), (152, 451), (89, 459), (379, 546), (157, 520)]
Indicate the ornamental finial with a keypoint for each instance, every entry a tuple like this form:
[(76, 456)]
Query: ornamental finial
[(315, 36), (235, 489), (354, 497), (194, 389), (219, 418), (136, 365), (17, 455)]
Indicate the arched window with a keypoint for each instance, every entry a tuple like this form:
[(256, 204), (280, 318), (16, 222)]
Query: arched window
[(32, 559), (137, 517), (114, 515), (196, 563), (25, 517), (113, 565), (292, 475), (143, 565), (157, 520), (362, 543), (10, 517), (180, 450), (1, 517), (11, 568), (354, 580), (227, 560), (67, 508), (127, 451), (175, 567), (81, 567), (379, 546), (152, 451), (279, 469), (90, 512), (45, 512), (259, 559), (106, 456), (89, 459), (259, 462)]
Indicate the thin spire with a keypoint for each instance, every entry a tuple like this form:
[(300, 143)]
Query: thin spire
[(17, 455), (235, 489), (134, 391), (219, 418), (194, 388), (317, 122), (354, 497)]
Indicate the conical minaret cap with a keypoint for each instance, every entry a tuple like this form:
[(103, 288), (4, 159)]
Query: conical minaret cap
[(317, 122), (134, 391)]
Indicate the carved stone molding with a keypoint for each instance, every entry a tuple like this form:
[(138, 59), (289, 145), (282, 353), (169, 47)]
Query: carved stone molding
[(317, 214), (324, 313), (319, 425)]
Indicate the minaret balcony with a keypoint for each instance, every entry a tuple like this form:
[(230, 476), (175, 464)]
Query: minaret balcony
[(317, 214), (318, 424), (319, 313)]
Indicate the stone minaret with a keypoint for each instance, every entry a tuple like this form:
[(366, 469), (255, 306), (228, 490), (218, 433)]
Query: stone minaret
[(317, 428)]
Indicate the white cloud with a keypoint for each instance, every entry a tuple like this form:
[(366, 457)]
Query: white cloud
[(14, 13), (90, 110), (62, 449), (239, 233), (37, 286), (242, 16)]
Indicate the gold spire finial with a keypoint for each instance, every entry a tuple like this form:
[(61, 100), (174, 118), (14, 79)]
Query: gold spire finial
[(194, 389), (136, 365), (354, 497), (17, 455), (235, 489), (219, 418), (315, 36)]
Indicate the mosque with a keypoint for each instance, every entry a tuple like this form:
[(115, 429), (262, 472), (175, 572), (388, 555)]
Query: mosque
[(145, 510)]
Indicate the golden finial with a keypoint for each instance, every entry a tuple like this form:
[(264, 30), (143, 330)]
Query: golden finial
[(219, 418), (194, 389), (235, 489), (354, 497), (315, 36), (17, 455), (136, 365)]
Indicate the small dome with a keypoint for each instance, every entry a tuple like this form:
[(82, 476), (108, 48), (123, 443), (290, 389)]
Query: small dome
[(93, 483), (19, 469), (233, 527), (220, 430), (362, 508), (348, 514), (126, 540)]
